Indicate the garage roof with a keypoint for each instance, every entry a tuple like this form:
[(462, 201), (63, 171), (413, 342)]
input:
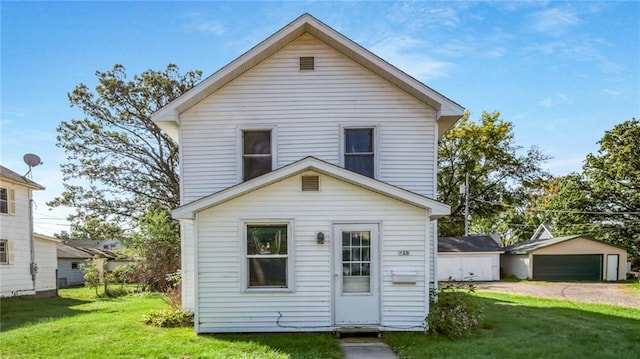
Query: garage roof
[(532, 245), (468, 244)]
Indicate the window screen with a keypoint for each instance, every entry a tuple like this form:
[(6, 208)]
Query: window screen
[(359, 151)]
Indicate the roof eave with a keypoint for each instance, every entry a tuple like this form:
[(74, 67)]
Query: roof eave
[(448, 110), (188, 211)]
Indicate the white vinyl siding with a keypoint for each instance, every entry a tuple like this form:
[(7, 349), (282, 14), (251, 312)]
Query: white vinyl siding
[(310, 108), (73, 276), (16, 277), (224, 306), (47, 260)]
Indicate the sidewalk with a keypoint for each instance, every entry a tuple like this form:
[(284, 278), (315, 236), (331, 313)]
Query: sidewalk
[(366, 350)]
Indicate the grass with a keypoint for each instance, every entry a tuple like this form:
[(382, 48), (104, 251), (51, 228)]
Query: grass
[(525, 327), (79, 325)]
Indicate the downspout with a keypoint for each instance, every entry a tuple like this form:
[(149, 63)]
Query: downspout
[(33, 266)]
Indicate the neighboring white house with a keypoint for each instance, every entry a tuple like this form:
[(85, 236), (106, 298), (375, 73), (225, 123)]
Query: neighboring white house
[(71, 257), (27, 261), (70, 260), (308, 168), (472, 258)]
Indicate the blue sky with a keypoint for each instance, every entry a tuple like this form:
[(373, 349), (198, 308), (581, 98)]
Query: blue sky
[(562, 72)]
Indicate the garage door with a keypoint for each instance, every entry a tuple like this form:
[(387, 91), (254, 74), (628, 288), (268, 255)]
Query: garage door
[(567, 267)]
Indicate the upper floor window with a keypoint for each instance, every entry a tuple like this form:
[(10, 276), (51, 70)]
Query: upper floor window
[(7, 201), (256, 153), (359, 150)]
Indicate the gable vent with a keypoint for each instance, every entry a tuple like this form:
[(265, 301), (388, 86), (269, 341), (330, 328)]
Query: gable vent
[(307, 63), (310, 183)]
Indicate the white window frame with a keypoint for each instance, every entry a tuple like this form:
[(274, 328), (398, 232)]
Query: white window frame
[(244, 259), (240, 146), (376, 144), (11, 201)]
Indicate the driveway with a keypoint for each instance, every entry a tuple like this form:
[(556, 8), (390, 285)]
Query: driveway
[(602, 293)]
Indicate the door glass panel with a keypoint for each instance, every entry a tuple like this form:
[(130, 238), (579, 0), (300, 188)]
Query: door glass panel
[(356, 262)]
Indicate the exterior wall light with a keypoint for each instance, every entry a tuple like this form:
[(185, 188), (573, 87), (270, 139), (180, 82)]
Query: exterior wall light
[(320, 238)]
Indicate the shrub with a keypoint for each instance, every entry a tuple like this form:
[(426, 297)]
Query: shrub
[(169, 318), (454, 311)]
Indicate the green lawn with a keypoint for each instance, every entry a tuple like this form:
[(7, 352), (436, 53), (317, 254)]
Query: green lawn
[(79, 325), (524, 327)]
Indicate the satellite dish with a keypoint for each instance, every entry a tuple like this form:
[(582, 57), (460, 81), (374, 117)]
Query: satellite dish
[(32, 160)]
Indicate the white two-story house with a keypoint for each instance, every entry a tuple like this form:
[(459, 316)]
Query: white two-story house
[(308, 178), (27, 261)]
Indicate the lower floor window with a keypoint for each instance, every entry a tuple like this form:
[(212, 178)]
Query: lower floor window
[(267, 255), (4, 251)]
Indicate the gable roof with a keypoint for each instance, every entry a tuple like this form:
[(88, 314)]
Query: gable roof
[(167, 117), (533, 245), (468, 244), (13, 177), (67, 251), (188, 211), (542, 232), (46, 238)]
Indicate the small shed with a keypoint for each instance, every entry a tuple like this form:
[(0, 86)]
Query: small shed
[(570, 258), (70, 259), (472, 258)]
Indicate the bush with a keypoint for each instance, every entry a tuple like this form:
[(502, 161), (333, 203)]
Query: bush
[(454, 311), (169, 318)]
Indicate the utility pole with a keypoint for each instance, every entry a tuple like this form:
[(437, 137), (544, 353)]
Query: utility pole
[(464, 191), (466, 204)]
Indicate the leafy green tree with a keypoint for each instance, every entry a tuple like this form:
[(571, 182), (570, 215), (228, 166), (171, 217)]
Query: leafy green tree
[(93, 270), (604, 200), (157, 245), (93, 228), (498, 172), (119, 163)]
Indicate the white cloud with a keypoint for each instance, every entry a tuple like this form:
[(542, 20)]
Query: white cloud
[(202, 23), (611, 92), (566, 165), (555, 21), (408, 55), (555, 100)]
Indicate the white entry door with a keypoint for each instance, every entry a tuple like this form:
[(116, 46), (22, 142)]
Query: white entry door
[(356, 271), (612, 267)]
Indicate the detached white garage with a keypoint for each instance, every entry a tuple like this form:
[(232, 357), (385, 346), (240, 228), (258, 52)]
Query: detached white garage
[(473, 258), (571, 258)]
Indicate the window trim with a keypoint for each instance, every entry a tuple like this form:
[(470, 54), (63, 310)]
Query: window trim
[(244, 258), (240, 146), (376, 145)]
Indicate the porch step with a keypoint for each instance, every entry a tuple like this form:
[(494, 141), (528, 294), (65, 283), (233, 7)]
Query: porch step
[(358, 331)]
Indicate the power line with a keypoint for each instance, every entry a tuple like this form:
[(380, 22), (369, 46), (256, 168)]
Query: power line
[(561, 210)]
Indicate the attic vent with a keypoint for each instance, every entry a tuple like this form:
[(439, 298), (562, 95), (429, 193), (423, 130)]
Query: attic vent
[(310, 183), (307, 63)]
